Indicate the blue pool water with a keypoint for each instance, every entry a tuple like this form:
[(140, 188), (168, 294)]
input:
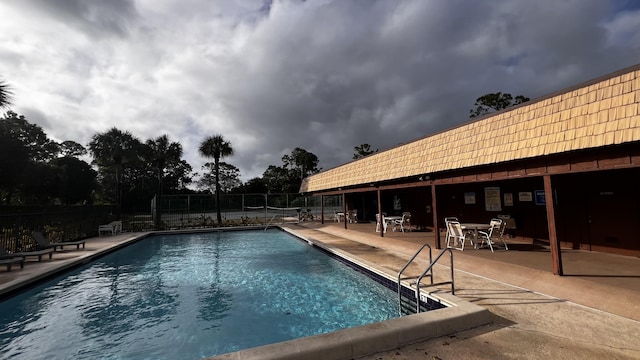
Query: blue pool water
[(190, 296)]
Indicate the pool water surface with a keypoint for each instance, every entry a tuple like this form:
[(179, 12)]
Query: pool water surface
[(190, 296)]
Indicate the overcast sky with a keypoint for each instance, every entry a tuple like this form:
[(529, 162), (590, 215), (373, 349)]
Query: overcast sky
[(323, 75)]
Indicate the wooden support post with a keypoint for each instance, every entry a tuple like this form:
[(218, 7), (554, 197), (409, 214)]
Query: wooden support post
[(556, 254), (436, 226), (344, 209), (322, 209), (380, 214)]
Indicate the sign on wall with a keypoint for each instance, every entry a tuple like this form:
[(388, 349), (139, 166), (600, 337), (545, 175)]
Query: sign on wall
[(397, 205), (508, 199), (525, 196), (492, 199), (540, 198), (470, 198)]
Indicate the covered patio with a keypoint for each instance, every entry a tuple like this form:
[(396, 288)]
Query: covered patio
[(594, 279), (560, 169)]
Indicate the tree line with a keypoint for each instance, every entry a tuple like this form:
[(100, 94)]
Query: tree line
[(128, 172), (124, 169)]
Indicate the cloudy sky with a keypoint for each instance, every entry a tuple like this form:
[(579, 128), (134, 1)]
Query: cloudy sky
[(323, 75)]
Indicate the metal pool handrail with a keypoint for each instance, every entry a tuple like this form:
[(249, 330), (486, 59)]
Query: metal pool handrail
[(428, 269), (404, 268)]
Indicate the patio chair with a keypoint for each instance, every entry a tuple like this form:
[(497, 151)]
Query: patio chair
[(9, 262), (10, 259), (446, 224), (114, 227), (456, 235), (384, 223), (352, 216), (406, 219), (39, 253), (43, 242), (496, 232)]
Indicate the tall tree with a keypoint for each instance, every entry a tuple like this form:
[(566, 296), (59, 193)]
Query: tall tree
[(75, 180), (24, 150), (162, 154), (287, 178), (72, 148), (111, 150), (301, 161), (14, 161), (492, 102), (216, 147), (277, 180), (178, 176), (362, 151), (6, 95), (256, 185), (229, 177), (40, 147)]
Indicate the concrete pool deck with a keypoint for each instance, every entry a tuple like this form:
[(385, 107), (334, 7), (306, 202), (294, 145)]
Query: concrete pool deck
[(533, 314), (593, 313)]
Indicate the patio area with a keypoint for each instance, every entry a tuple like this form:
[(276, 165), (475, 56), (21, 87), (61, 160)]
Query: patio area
[(591, 313), (591, 278)]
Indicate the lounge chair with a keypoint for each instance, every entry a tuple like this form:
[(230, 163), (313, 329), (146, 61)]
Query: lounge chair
[(114, 227), (43, 242), (9, 262), (39, 253), (9, 259)]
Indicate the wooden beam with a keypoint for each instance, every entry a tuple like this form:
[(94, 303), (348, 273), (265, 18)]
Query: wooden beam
[(556, 254), (344, 209), (380, 214), (436, 227), (322, 209)]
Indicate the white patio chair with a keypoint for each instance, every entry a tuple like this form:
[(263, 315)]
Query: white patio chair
[(446, 224), (406, 219), (456, 235), (378, 221), (495, 233), (352, 215)]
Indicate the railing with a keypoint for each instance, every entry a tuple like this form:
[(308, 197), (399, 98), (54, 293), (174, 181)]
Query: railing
[(429, 270), (402, 271)]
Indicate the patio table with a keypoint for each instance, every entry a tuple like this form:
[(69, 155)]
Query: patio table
[(475, 227)]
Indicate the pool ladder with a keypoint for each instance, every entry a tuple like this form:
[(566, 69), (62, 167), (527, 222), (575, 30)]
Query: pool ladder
[(404, 301)]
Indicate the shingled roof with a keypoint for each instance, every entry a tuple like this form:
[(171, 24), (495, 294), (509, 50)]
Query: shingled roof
[(597, 113)]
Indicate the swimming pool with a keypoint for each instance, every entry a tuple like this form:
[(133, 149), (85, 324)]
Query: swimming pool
[(190, 296)]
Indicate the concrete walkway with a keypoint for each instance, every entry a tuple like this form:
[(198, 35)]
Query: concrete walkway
[(537, 315), (592, 314)]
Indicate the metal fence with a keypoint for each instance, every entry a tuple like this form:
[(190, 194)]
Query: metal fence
[(68, 223), (185, 211), (59, 223)]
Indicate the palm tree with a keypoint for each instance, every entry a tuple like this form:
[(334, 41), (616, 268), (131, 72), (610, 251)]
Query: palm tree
[(216, 147), (162, 154), (6, 95), (110, 150)]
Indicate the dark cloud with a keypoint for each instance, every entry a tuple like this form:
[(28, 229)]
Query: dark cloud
[(324, 75), (96, 18)]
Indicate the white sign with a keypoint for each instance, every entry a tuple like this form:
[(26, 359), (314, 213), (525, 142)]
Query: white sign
[(492, 199), (469, 198), (508, 199), (525, 196)]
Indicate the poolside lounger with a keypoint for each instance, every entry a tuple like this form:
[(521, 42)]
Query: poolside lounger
[(39, 253), (43, 242), (114, 227), (10, 261)]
